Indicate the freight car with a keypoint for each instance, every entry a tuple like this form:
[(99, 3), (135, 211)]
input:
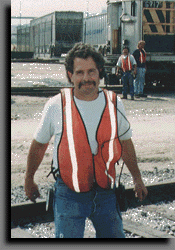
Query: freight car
[(22, 51), (55, 33), (49, 35), (95, 30), (128, 21)]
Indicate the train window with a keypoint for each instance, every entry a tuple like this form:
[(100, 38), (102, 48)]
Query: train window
[(133, 8)]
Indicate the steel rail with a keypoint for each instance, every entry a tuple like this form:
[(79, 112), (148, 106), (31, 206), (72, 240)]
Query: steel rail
[(29, 212)]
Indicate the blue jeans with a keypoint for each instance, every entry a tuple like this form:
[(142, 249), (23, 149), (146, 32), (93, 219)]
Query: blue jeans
[(71, 210), (127, 79), (139, 81)]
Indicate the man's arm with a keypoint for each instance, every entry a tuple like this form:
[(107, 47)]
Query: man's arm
[(134, 64), (135, 69), (117, 72), (118, 65), (129, 157), (35, 156)]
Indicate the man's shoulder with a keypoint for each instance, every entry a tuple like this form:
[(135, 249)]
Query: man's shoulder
[(55, 100), (136, 51), (119, 59), (131, 56)]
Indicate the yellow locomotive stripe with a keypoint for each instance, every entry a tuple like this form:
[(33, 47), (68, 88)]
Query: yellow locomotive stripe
[(159, 20)]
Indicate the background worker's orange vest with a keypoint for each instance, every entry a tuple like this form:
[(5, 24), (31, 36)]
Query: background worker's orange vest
[(78, 167), (142, 58), (126, 64)]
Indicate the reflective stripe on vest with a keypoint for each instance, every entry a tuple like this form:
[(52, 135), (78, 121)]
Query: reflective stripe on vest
[(142, 57), (126, 64), (78, 167)]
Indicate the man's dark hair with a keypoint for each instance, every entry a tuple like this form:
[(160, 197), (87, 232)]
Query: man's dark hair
[(84, 51), (125, 47)]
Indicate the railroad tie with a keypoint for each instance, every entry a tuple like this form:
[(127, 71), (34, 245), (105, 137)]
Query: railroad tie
[(144, 230)]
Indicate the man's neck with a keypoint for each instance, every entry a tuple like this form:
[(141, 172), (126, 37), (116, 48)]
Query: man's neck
[(88, 97)]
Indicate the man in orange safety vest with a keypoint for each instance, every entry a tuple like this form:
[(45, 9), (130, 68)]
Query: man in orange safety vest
[(127, 63), (91, 134)]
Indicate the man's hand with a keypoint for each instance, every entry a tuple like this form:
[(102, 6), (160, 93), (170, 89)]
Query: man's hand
[(31, 189), (129, 157), (140, 189)]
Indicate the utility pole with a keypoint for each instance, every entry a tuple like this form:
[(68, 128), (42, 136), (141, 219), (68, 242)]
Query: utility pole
[(87, 13), (20, 13)]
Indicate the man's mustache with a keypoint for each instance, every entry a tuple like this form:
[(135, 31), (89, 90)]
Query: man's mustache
[(86, 82)]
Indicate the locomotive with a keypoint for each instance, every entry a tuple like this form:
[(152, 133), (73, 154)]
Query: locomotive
[(127, 22)]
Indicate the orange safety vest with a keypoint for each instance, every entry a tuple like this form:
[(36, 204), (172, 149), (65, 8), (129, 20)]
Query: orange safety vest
[(126, 64), (78, 167), (142, 58)]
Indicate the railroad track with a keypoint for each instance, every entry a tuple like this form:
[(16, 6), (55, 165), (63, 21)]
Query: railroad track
[(28, 212), (50, 91), (35, 91)]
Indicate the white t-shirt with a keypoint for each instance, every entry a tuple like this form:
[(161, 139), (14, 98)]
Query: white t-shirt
[(51, 122), (132, 59)]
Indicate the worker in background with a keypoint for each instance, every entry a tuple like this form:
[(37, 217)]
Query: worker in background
[(91, 134), (140, 57), (127, 63)]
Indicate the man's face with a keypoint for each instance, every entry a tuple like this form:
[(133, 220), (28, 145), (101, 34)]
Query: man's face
[(85, 78), (141, 46), (125, 52)]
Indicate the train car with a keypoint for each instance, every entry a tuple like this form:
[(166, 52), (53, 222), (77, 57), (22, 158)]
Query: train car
[(22, 50), (56, 33), (23, 38), (129, 21), (95, 31)]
